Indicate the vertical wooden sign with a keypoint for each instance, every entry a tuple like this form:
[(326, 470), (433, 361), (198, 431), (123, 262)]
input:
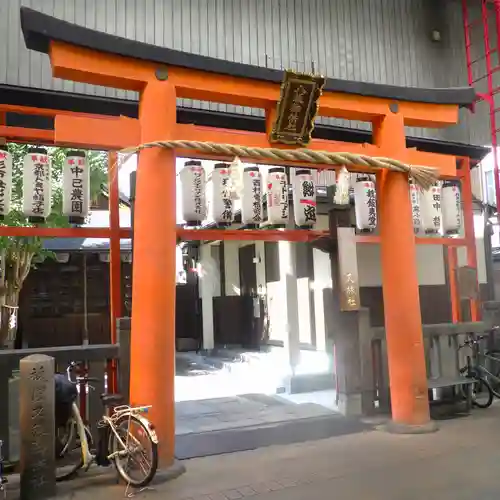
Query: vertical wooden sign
[(348, 278)]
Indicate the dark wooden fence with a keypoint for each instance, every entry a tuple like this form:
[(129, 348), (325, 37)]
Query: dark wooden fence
[(94, 357)]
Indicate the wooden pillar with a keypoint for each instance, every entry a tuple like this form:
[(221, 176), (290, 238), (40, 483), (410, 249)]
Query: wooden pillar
[(470, 237), (403, 323), (115, 281), (452, 261), (114, 253), (152, 367)]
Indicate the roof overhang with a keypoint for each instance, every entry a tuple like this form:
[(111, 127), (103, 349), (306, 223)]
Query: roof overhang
[(40, 30)]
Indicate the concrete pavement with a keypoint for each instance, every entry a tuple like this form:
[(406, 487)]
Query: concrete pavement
[(460, 462)]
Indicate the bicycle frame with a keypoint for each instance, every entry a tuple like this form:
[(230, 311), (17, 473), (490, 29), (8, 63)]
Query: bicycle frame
[(110, 422), (88, 458)]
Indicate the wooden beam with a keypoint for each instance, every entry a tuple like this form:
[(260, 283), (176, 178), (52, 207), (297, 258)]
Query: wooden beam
[(105, 133), (450, 242), (62, 232), (250, 234), (85, 65), (21, 134), (446, 164)]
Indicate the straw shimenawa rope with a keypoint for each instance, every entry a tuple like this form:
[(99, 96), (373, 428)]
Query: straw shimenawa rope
[(423, 176)]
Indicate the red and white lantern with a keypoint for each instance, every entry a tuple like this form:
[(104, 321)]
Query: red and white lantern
[(277, 197), (37, 189), (430, 206), (251, 196), (76, 187), (365, 203), (452, 207), (5, 182), (304, 199), (221, 200), (415, 207), (193, 184)]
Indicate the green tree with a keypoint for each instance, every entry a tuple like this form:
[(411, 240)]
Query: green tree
[(19, 254)]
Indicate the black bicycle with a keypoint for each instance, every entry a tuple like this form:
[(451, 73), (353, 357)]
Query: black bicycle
[(482, 393)]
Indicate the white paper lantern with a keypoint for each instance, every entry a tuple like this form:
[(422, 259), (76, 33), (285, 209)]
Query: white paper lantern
[(277, 197), (430, 207), (37, 187), (236, 175), (304, 199), (221, 201), (341, 196), (5, 182), (193, 184), (365, 203), (76, 187), (415, 207), (451, 201), (251, 196)]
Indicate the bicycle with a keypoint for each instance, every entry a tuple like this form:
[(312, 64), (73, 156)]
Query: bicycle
[(116, 441), (3, 479), (481, 387)]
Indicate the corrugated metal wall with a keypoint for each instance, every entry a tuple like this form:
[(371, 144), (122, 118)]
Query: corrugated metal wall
[(385, 41)]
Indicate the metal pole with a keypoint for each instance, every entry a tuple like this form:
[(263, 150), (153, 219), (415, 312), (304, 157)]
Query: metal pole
[(85, 340)]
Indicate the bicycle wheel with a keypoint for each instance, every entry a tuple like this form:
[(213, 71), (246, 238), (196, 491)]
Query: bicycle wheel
[(137, 463), (482, 393), (495, 369), (69, 456)]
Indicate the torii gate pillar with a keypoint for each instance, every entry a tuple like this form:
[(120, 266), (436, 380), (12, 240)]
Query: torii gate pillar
[(153, 294), (403, 321)]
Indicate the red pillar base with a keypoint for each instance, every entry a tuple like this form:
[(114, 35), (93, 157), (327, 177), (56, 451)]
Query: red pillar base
[(398, 428)]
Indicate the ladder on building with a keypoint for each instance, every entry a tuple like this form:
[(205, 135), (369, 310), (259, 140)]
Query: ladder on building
[(481, 20)]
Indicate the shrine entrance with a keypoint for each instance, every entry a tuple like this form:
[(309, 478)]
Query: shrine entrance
[(290, 102)]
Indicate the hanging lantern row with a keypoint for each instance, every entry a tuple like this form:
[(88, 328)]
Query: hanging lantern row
[(439, 207), (213, 198), (432, 210), (37, 185)]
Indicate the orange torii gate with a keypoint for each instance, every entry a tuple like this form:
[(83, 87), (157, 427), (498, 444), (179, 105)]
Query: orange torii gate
[(161, 76)]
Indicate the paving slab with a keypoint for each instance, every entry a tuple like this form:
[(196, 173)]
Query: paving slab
[(242, 411)]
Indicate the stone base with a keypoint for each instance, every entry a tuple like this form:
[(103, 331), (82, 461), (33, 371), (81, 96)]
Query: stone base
[(349, 405), (399, 428), (165, 474)]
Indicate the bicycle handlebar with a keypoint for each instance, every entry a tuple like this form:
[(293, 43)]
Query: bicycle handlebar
[(87, 379), (79, 379), (473, 341)]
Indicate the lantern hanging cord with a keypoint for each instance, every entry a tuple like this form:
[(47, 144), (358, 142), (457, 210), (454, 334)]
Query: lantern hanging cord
[(424, 176)]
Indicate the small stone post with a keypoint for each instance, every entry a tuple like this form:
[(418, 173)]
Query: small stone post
[(37, 427)]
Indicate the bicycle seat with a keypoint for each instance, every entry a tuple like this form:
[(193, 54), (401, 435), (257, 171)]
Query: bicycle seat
[(111, 399)]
